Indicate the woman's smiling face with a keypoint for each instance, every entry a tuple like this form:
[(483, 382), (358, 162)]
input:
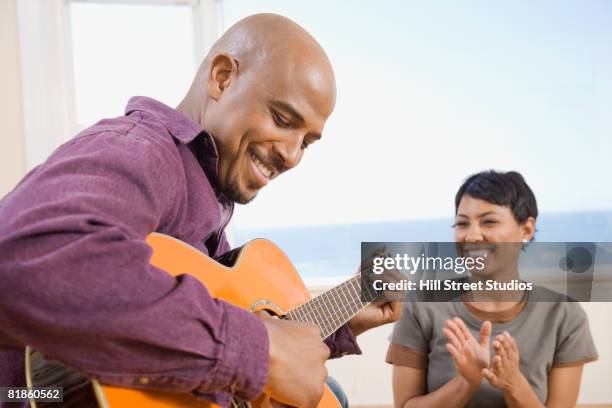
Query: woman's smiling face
[(490, 231)]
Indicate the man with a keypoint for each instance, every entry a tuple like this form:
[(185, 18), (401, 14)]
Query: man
[(75, 273)]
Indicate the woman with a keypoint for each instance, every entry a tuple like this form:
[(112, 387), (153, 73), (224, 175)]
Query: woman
[(490, 353)]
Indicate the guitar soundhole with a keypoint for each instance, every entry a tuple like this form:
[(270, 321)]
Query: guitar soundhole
[(229, 258)]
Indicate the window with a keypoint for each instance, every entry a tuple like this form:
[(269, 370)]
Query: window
[(122, 50), (82, 59)]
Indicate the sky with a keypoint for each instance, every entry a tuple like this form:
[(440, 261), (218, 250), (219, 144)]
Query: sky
[(428, 93)]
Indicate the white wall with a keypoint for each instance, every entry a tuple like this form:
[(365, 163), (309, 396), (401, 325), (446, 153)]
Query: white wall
[(12, 137), (367, 378)]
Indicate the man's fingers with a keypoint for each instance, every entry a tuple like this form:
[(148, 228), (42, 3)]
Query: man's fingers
[(396, 310), (366, 264)]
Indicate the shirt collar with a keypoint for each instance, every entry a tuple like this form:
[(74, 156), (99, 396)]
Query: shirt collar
[(180, 126), (186, 132)]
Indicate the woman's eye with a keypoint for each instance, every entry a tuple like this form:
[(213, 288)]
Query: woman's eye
[(460, 224), (280, 120), (489, 222)]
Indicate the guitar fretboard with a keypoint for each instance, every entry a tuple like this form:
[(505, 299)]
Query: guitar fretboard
[(331, 309)]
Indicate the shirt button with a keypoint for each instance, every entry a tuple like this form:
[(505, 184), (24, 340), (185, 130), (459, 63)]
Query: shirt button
[(144, 380)]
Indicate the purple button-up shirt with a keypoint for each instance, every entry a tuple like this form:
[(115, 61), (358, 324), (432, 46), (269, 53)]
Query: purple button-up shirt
[(75, 277)]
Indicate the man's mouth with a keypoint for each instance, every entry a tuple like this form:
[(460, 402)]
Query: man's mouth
[(263, 172)]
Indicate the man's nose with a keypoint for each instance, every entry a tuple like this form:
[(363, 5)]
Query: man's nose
[(290, 151)]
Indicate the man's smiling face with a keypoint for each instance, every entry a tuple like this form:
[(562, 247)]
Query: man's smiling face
[(264, 119)]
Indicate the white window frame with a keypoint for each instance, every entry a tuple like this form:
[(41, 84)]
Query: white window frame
[(47, 65)]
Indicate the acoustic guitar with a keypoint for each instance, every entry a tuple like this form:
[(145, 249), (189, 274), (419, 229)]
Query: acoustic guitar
[(255, 277)]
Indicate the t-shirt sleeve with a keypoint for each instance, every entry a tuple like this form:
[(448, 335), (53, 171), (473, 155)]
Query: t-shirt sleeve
[(409, 343), (575, 344)]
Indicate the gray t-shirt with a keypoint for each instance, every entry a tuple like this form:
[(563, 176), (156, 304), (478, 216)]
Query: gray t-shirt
[(548, 334)]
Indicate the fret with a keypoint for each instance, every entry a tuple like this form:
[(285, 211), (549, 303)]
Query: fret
[(346, 310), (292, 315), (333, 308), (349, 309), (370, 293), (304, 313), (329, 315), (335, 302), (321, 313), (336, 307), (356, 288), (354, 292), (308, 313), (300, 315)]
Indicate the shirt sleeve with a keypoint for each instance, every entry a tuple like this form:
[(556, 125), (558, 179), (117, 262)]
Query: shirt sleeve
[(342, 342), (77, 284), (575, 344), (408, 343)]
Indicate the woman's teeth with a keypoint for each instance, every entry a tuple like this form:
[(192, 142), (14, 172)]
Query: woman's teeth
[(483, 253), (266, 171)]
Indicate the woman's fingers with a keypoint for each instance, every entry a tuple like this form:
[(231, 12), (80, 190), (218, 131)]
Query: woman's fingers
[(512, 347), (499, 348), (485, 333), (490, 376), (454, 327), (452, 338), (455, 354), (466, 332), (497, 364)]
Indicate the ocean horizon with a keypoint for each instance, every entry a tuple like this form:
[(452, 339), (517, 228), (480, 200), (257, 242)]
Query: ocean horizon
[(326, 254)]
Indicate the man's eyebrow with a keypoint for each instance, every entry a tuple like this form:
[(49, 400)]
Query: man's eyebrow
[(287, 107)]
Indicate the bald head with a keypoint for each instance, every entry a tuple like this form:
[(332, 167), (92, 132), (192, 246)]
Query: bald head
[(263, 92), (264, 40)]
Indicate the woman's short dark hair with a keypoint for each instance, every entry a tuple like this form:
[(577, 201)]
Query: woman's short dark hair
[(502, 188)]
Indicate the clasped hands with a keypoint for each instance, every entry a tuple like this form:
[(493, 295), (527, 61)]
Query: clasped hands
[(473, 361)]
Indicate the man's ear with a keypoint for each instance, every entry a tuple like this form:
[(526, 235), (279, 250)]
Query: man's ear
[(223, 70)]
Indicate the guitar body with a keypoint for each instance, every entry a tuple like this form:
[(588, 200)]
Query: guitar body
[(259, 277)]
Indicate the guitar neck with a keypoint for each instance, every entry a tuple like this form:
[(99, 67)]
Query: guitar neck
[(333, 308)]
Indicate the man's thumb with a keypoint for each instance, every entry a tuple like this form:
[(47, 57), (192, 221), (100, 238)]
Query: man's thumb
[(485, 333)]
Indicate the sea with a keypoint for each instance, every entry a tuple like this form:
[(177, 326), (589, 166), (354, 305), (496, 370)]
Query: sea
[(328, 254)]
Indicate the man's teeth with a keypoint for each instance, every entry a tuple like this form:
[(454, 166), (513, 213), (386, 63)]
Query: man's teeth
[(483, 253), (261, 166)]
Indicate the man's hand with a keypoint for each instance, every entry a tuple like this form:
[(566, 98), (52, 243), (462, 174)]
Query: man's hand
[(374, 315), (377, 313), (469, 355), (296, 373)]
